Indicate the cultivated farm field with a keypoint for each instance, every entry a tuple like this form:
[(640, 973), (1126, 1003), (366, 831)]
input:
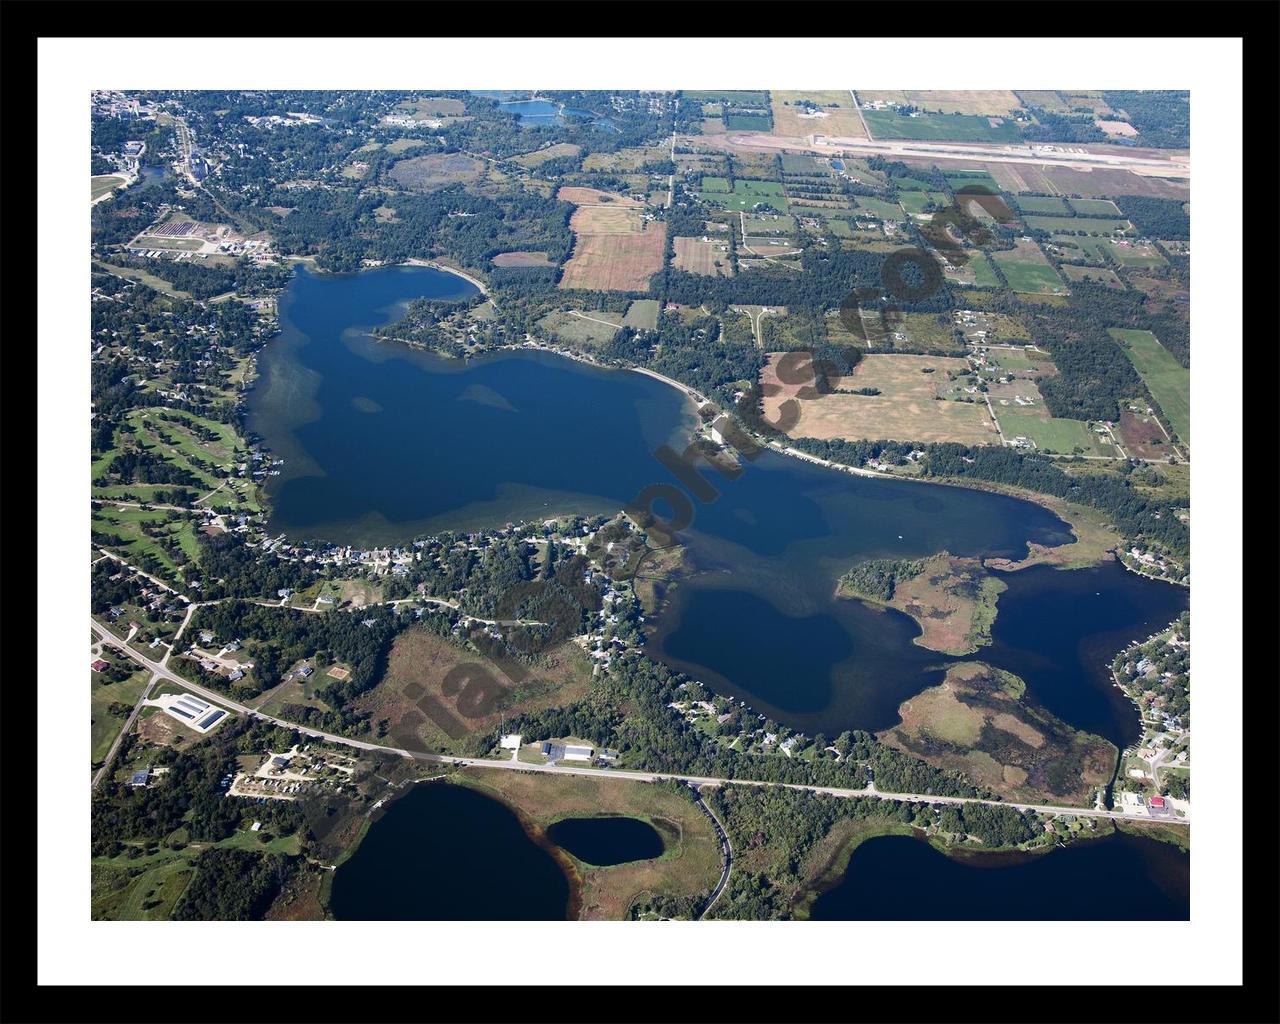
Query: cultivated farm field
[(906, 409)]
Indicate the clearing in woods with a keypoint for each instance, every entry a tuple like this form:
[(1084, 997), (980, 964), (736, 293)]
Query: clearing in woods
[(1027, 270), (435, 170), (1168, 380), (707, 256), (907, 407), (522, 259), (541, 156), (416, 669), (1097, 275), (615, 248)]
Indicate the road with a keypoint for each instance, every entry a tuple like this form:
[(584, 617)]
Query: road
[(159, 583), (159, 669), (671, 178), (124, 731), (725, 849), (856, 106)]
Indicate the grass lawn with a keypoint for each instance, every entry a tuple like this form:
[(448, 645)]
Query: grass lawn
[(1042, 204), (158, 284), (104, 183), (1089, 225), (881, 209), (984, 276), (1168, 380), (642, 313), (104, 726), (746, 194), (1088, 248), (1027, 271), (1098, 275), (141, 537), (889, 124), (1055, 435), (1135, 254), (915, 202), (150, 895), (1094, 207)]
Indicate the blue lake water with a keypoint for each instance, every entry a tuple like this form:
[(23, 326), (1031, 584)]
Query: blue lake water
[(608, 840), (1121, 877), (445, 852), (384, 443)]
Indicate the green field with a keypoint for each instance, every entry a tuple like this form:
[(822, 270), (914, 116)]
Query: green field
[(770, 225), (748, 122), (747, 193), (1098, 275), (1084, 247), (1028, 273), (201, 447), (915, 202), (959, 179), (736, 97), (1041, 204), (104, 183), (880, 209), (642, 313), (145, 537), (565, 327), (1054, 435), (984, 275), (104, 726), (1168, 380), (802, 163), (1089, 225), (160, 242), (889, 124), (1094, 207), (1135, 255)]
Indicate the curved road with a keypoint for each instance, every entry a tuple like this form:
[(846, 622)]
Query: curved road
[(725, 849)]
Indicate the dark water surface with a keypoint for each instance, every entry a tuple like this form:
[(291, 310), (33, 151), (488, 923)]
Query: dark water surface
[(1122, 877), (384, 443), (606, 841), (444, 852)]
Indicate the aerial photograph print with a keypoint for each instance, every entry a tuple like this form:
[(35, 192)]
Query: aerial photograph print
[(694, 502)]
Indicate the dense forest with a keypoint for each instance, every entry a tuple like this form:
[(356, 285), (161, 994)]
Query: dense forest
[(1163, 118), (1157, 218)]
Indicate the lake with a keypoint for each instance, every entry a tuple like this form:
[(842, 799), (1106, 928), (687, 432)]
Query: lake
[(444, 852), (536, 112), (1120, 878), (383, 443), (605, 841)]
